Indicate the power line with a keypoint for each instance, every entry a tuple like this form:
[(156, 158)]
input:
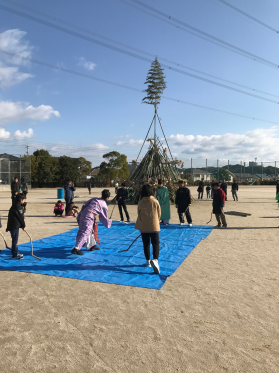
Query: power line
[(84, 37), (127, 87), (137, 49), (169, 19), (248, 15)]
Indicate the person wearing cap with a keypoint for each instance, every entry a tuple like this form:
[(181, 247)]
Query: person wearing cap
[(164, 200), (87, 221), (121, 198)]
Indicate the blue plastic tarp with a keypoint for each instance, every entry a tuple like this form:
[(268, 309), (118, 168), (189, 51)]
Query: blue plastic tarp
[(108, 265)]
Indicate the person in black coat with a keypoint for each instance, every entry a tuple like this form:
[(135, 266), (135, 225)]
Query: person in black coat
[(277, 189), (16, 221), (201, 189), (15, 189), (224, 187), (121, 198), (234, 190), (182, 203)]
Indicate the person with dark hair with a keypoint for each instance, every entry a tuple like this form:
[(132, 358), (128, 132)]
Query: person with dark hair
[(149, 213), (234, 190), (69, 194), (87, 221), (121, 198), (277, 189), (58, 208), (183, 202), (201, 189), (218, 204), (24, 187), (224, 187), (164, 200), (16, 221), (15, 189), (73, 210), (89, 187), (208, 188)]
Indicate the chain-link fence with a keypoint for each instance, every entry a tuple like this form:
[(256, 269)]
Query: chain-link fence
[(223, 169), (12, 166)]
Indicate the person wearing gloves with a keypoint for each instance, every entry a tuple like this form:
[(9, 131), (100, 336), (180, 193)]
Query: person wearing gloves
[(182, 203), (218, 204), (149, 213)]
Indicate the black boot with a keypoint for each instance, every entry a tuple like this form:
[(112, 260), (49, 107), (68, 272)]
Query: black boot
[(77, 252), (93, 248)]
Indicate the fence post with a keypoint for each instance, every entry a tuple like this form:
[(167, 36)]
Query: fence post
[(1, 171), (218, 170), (240, 170), (206, 169), (20, 170), (192, 170), (275, 168), (244, 171), (228, 170), (30, 172), (262, 171), (9, 173)]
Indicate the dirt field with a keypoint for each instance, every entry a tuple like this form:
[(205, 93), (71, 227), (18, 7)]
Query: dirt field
[(217, 313)]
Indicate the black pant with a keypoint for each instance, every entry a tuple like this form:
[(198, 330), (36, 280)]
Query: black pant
[(58, 212), (188, 216), (201, 194), (120, 205), (68, 201), (25, 194), (14, 235), (154, 236)]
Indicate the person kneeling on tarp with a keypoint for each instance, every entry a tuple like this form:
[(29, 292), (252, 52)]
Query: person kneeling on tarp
[(87, 221), (149, 213)]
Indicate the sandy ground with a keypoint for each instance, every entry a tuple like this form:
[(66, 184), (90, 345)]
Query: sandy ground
[(217, 313)]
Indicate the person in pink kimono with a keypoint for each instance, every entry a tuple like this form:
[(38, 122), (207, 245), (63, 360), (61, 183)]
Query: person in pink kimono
[(87, 221)]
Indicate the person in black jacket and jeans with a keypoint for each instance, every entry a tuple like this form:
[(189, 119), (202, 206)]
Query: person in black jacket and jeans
[(16, 221), (182, 203), (15, 189), (201, 189), (121, 198), (234, 190)]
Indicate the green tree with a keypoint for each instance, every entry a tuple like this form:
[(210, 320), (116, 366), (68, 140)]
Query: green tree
[(45, 167), (84, 166), (116, 166), (223, 174), (68, 169), (155, 84)]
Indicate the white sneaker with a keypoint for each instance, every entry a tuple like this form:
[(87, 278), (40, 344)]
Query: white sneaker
[(18, 257), (147, 264), (189, 225), (155, 266), (182, 223)]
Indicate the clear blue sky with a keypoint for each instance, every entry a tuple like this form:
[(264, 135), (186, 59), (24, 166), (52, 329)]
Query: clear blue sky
[(83, 117)]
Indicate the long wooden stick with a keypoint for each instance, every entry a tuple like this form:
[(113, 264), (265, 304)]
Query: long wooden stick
[(122, 251), (31, 246), (7, 247), (112, 211)]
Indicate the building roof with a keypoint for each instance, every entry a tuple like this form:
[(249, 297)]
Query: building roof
[(9, 156), (198, 171), (95, 171)]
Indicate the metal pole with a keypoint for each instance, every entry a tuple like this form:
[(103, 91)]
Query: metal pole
[(9, 168), (244, 170), (275, 168), (252, 170), (228, 170), (240, 170), (19, 169), (218, 170), (30, 172), (262, 171), (206, 169), (192, 170), (155, 126)]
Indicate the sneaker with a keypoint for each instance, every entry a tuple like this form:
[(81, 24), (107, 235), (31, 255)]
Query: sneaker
[(128, 221), (77, 252), (190, 225), (147, 264), (93, 248), (224, 226), (182, 223), (18, 257), (217, 226), (155, 266)]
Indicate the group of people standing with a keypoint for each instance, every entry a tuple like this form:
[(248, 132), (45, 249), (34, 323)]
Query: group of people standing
[(210, 189)]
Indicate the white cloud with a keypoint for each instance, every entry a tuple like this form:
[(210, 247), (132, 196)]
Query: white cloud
[(88, 65), (4, 134), (12, 41), (23, 135), (130, 142), (11, 112), (261, 143)]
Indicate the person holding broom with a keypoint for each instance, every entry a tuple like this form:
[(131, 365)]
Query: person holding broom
[(219, 198), (164, 200), (16, 221), (87, 221), (149, 213)]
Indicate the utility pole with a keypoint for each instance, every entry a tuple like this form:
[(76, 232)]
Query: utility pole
[(27, 147)]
